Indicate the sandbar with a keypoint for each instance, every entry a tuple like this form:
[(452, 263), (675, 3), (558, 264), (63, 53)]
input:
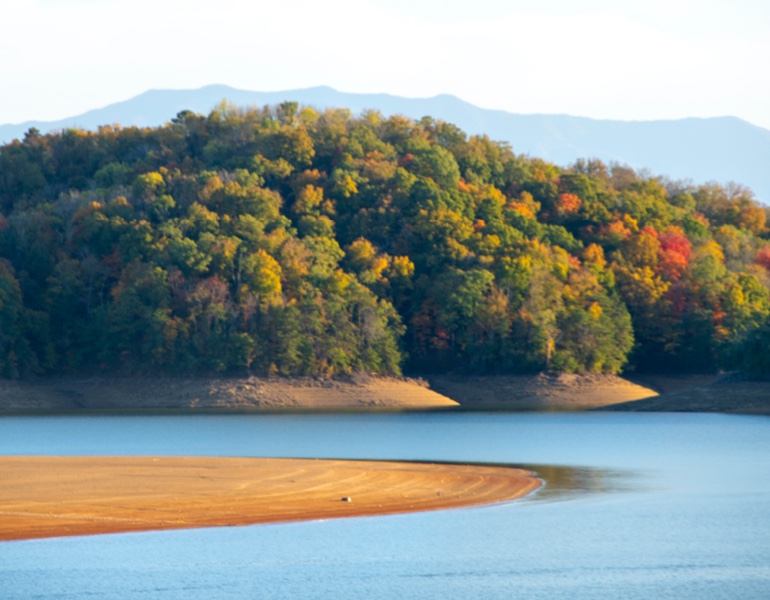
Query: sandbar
[(43, 496)]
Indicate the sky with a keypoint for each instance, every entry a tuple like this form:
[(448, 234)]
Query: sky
[(606, 59)]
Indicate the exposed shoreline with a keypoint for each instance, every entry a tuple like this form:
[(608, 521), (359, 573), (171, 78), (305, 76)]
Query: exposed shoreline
[(728, 393), (543, 392), (218, 393), (64, 496)]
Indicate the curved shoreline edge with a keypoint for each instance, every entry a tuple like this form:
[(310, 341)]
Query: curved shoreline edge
[(727, 393), (362, 392), (44, 497)]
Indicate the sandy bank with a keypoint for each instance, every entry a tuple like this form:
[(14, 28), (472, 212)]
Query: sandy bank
[(543, 392), (728, 393), (60, 496), (218, 393), (539, 392)]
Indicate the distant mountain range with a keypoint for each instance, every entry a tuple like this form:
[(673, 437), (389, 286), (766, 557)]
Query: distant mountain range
[(719, 149)]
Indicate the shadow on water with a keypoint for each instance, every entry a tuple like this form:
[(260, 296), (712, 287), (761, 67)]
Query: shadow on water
[(562, 483)]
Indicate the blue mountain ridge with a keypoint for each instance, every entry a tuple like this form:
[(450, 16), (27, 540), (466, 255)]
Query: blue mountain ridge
[(720, 149)]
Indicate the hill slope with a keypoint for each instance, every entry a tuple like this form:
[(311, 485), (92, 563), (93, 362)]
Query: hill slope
[(296, 242)]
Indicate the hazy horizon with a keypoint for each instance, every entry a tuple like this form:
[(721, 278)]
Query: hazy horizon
[(635, 61), (342, 91)]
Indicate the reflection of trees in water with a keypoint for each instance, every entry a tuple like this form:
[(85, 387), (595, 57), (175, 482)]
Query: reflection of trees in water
[(563, 483)]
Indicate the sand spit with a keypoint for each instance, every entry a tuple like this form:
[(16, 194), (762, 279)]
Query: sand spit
[(539, 392), (64, 496), (218, 393)]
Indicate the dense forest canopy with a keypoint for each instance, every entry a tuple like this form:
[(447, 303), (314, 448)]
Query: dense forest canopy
[(284, 240)]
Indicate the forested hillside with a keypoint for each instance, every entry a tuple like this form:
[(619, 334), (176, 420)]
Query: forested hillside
[(281, 240)]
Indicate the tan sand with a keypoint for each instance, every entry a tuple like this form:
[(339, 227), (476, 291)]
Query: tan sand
[(727, 393), (63, 496), (218, 393), (703, 393), (539, 392)]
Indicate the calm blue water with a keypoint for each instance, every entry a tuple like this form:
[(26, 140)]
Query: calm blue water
[(657, 506)]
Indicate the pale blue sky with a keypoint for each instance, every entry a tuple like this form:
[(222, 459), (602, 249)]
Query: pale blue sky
[(646, 59)]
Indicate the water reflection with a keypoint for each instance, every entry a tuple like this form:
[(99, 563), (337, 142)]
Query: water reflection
[(667, 505), (568, 483), (562, 483)]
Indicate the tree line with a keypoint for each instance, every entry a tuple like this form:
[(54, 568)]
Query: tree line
[(284, 240)]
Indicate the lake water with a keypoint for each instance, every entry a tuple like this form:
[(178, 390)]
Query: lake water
[(649, 506)]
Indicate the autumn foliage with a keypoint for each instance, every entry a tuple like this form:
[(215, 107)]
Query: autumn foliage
[(288, 241), (674, 253)]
